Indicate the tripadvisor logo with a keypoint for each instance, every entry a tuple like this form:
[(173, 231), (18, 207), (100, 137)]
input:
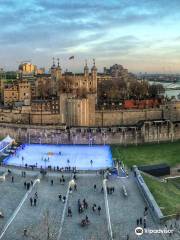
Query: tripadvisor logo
[(139, 231)]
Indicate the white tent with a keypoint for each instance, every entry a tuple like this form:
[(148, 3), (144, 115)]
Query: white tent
[(6, 142)]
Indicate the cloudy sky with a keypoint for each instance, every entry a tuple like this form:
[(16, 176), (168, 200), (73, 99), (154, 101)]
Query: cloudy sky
[(142, 35)]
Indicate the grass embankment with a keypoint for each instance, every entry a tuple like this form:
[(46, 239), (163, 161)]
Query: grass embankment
[(167, 195), (148, 154)]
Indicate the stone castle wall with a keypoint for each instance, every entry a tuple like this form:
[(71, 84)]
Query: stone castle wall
[(83, 113), (149, 131), (126, 117)]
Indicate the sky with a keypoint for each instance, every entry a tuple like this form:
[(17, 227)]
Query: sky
[(141, 35)]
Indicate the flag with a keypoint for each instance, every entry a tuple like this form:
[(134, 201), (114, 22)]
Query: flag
[(72, 57)]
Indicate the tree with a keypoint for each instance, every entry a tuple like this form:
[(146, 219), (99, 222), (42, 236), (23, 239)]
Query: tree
[(155, 90)]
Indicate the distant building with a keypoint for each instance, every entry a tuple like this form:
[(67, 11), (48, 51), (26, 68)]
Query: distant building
[(116, 71), (27, 68), (17, 92), (40, 71)]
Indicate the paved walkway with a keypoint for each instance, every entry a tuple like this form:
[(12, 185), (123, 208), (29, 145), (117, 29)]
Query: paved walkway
[(98, 226), (11, 195), (36, 219), (124, 211)]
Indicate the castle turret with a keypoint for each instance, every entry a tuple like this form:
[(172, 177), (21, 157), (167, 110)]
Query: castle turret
[(58, 71), (53, 79), (94, 76), (56, 74), (86, 70)]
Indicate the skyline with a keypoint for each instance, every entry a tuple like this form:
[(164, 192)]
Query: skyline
[(142, 36)]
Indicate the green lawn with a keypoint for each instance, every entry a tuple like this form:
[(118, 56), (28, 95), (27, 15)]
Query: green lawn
[(167, 195), (148, 154)]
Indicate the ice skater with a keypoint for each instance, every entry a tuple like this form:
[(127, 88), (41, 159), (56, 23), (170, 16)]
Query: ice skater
[(91, 162), (68, 161)]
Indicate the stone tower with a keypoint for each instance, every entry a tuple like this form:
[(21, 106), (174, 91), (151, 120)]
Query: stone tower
[(58, 73), (53, 90)]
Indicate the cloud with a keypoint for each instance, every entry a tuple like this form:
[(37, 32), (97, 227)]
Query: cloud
[(92, 28)]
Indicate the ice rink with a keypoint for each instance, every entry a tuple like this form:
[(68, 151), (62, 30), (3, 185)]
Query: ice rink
[(78, 156)]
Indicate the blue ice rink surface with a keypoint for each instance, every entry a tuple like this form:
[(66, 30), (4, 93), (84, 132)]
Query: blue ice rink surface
[(78, 156)]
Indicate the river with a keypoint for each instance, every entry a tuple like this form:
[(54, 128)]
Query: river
[(170, 92)]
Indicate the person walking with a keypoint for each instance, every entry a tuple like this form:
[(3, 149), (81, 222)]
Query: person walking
[(70, 190), (52, 182), (137, 221), (36, 195), (95, 187), (25, 232), (99, 210), (31, 201), (69, 212), (145, 224), (60, 197), (35, 201), (94, 207), (64, 199), (28, 186), (63, 180)]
